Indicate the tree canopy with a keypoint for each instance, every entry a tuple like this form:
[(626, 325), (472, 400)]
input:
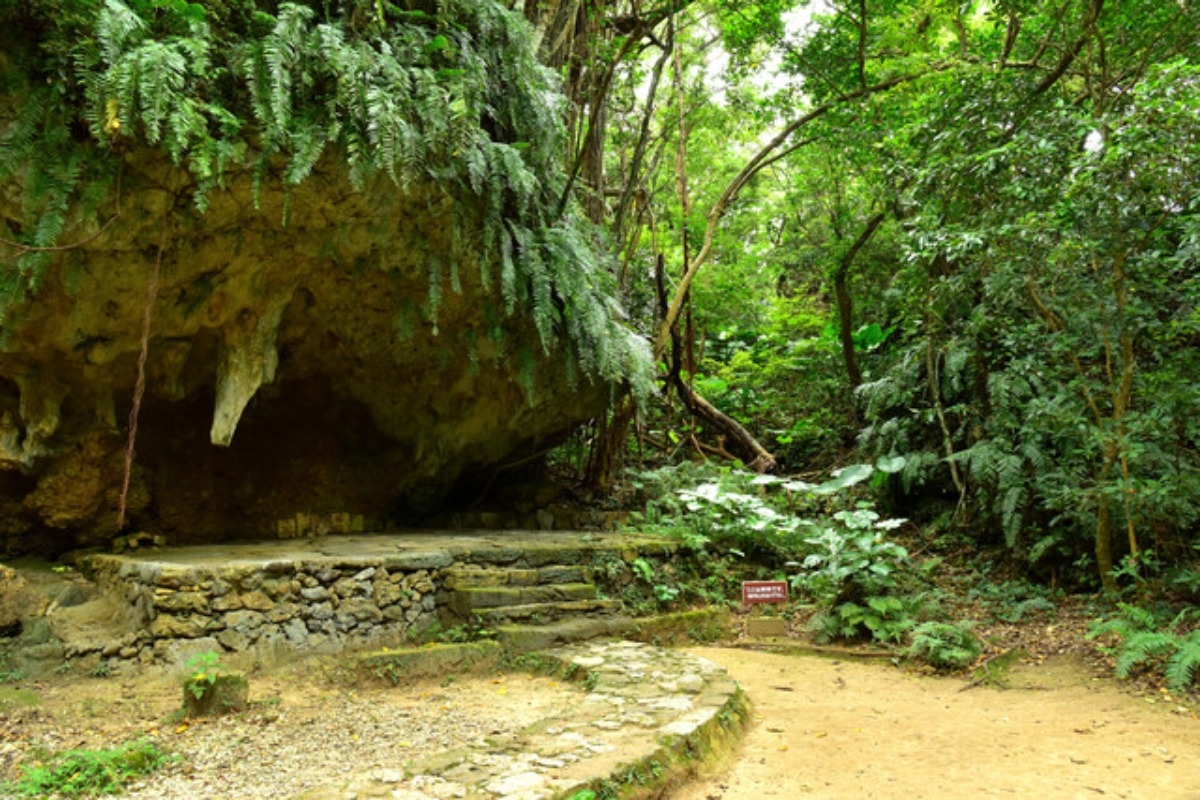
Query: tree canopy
[(964, 234)]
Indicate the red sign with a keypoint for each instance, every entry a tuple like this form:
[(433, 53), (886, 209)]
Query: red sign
[(764, 592)]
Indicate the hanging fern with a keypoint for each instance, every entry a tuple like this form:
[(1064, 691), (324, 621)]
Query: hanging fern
[(448, 94)]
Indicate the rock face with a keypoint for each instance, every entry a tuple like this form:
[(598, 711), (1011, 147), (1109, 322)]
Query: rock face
[(18, 601), (317, 351)]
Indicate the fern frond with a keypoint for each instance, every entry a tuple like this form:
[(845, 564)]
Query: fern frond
[(1142, 647), (1010, 514), (455, 98), (117, 27), (1132, 620), (1182, 666), (434, 296), (308, 139)]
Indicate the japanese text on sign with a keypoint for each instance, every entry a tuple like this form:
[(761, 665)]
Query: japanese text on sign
[(764, 592)]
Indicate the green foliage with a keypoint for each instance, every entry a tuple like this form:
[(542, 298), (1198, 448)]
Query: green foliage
[(1014, 601), (841, 559), (80, 773), (849, 558), (943, 645), (454, 97), (203, 670), (882, 618), (473, 631), (779, 375), (1146, 639), (642, 569), (1184, 580), (8, 673), (1182, 666), (12, 675), (713, 507), (1025, 313), (1035, 352)]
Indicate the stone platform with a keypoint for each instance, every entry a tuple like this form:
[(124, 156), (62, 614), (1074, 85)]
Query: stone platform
[(402, 550), (334, 593)]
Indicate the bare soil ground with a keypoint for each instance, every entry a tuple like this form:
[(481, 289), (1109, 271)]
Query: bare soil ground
[(1053, 725), (309, 725), (840, 728)]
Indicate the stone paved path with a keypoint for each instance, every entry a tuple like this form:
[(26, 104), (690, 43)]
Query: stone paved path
[(647, 717)]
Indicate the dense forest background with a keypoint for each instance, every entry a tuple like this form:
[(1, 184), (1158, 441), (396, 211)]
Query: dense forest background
[(959, 236), (950, 245)]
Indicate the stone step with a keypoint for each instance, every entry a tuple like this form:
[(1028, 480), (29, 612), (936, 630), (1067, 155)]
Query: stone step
[(469, 600), (529, 638), (474, 576), (546, 612)]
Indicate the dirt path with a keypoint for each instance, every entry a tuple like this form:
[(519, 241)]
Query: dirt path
[(824, 728)]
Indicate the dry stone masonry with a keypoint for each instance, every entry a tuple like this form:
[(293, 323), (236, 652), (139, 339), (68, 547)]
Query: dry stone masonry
[(332, 594), (303, 606)]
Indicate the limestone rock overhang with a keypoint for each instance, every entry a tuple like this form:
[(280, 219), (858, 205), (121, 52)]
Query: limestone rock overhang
[(316, 348)]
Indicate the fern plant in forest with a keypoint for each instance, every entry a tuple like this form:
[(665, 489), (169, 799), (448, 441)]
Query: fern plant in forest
[(448, 94), (1143, 640), (1182, 665), (944, 645)]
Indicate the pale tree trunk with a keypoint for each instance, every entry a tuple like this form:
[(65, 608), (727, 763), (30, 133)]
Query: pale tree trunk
[(733, 438)]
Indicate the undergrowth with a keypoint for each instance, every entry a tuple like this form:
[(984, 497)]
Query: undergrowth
[(1146, 639), (944, 645), (830, 544), (83, 773)]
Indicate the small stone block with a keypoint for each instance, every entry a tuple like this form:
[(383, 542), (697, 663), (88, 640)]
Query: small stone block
[(766, 626), (287, 529), (339, 523), (226, 694)]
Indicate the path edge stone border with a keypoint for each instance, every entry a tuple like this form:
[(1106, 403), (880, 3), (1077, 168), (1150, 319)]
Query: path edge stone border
[(652, 717), (676, 759)]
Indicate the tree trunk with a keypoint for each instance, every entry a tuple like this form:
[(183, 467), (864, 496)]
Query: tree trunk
[(607, 458), (845, 303), (845, 307), (1104, 540), (774, 150), (736, 439), (935, 394)]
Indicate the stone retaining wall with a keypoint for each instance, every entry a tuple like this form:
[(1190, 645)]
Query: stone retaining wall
[(268, 599), (312, 607)]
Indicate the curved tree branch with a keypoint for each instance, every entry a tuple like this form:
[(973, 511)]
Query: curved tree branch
[(1068, 57), (763, 158)]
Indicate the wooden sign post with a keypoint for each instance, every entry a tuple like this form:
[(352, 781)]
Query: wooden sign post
[(757, 593)]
